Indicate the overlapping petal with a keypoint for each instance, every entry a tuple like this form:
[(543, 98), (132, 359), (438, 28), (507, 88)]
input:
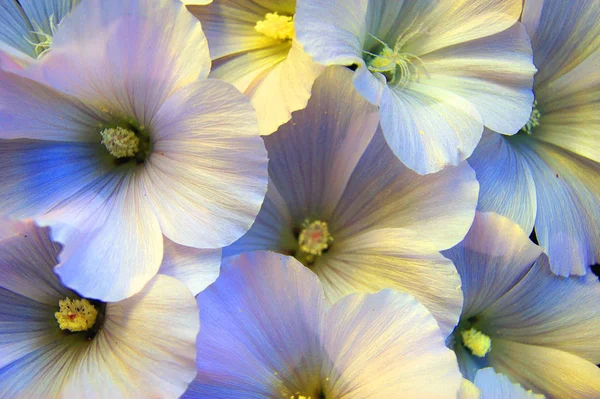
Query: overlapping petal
[(386, 345), (498, 386)]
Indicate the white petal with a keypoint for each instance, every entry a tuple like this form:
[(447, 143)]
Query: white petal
[(312, 156), (493, 257), (494, 73), (332, 31), (550, 311), (428, 127), (383, 193), (260, 336), (165, 49), (393, 258), (207, 175), (548, 371), (146, 347), (386, 345), (506, 185), (498, 386), (31, 110), (285, 89), (568, 205), (197, 268), (27, 256), (229, 24), (112, 244)]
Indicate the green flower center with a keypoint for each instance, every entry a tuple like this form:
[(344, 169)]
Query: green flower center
[(534, 120)]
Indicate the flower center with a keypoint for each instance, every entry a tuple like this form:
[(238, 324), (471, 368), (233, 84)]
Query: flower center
[(75, 314), (534, 120), (120, 142), (44, 42), (275, 26), (396, 65), (313, 240), (478, 343)]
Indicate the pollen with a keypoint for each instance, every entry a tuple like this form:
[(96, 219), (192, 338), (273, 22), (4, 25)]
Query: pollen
[(75, 314), (534, 119), (314, 239), (275, 26), (479, 343), (120, 142)]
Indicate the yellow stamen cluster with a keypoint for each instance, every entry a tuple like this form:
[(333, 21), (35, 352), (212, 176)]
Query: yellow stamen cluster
[(120, 142), (479, 343), (275, 26), (298, 396), (314, 239), (75, 315), (534, 119), (44, 39)]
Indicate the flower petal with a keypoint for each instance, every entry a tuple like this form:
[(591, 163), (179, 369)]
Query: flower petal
[(27, 257), (312, 156), (272, 229), (206, 150), (40, 176), (398, 259), (493, 257), (284, 89), (260, 336), (563, 35), (31, 110), (428, 127), (146, 347), (229, 24), (384, 345), (112, 242), (468, 390), (332, 31), (506, 184), (498, 386), (568, 205), (383, 193), (551, 372), (494, 73), (449, 22), (15, 27), (546, 310), (197, 268), (91, 60)]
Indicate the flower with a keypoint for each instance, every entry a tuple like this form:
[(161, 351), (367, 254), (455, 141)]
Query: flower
[(346, 207), (438, 70), (548, 175), (71, 122), (267, 332), (253, 47), (27, 27), (55, 343), (541, 330)]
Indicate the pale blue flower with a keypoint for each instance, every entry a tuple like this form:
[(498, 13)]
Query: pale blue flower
[(268, 333), (253, 47), (548, 175), (345, 206), (438, 70), (115, 138), (538, 329), (56, 344), (27, 26)]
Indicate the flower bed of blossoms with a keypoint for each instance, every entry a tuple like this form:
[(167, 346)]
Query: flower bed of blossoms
[(299, 199)]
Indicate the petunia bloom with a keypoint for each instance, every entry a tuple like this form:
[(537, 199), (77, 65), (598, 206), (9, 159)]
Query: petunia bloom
[(548, 175), (28, 26), (253, 46), (116, 142), (347, 208), (268, 333), (538, 329), (438, 70), (55, 343)]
